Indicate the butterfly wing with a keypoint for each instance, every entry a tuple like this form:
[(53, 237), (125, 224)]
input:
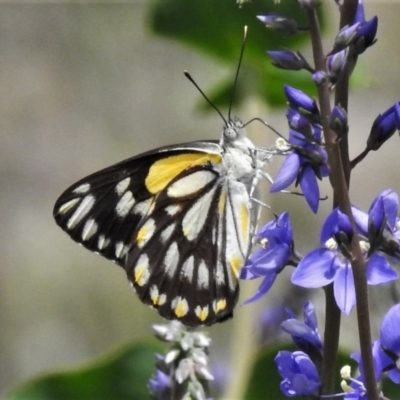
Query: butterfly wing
[(103, 210), (188, 253), (174, 220)]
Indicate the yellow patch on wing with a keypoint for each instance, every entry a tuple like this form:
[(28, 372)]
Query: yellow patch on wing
[(201, 312), (142, 272), (157, 298), (221, 203), (219, 305), (163, 171), (244, 223), (145, 232), (180, 306), (236, 263)]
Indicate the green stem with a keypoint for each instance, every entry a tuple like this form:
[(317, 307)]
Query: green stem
[(339, 180)]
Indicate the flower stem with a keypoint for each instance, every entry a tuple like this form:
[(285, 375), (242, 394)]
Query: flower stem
[(339, 180)]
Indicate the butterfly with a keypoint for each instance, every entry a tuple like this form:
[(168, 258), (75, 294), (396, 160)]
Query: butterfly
[(178, 219)]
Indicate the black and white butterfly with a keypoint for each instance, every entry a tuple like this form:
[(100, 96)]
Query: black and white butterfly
[(178, 219)]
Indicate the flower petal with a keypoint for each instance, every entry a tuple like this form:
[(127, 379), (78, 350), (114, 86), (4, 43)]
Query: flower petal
[(344, 289), (316, 269), (390, 332), (309, 187), (287, 174), (263, 288), (379, 270)]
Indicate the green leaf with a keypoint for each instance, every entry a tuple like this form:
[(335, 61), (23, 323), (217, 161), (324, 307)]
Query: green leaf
[(215, 27), (122, 375)]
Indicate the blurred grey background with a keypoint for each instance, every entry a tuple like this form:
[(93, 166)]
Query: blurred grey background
[(83, 86)]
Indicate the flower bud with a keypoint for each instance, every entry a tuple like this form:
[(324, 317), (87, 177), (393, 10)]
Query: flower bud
[(338, 121), (345, 37), (301, 102), (365, 36), (335, 64), (384, 126), (287, 59), (320, 77), (279, 23)]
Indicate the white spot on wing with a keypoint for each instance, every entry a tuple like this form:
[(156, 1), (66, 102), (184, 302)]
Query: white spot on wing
[(203, 275), (219, 274), (194, 220), (122, 186), (67, 206), (125, 204), (190, 184), (89, 229), (171, 259), (121, 249), (173, 209), (142, 271), (84, 188), (102, 242), (187, 268), (143, 207), (167, 232), (146, 232), (157, 298), (82, 210)]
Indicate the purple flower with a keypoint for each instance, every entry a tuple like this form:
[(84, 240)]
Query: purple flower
[(300, 376), (390, 342), (305, 334), (306, 161), (160, 386), (379, 358), (301, 102), (384, 126), (276, 240), (379, 228), (288, 59), (279, 23), (330, 263)]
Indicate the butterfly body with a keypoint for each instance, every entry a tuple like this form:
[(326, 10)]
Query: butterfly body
[(178, 219)]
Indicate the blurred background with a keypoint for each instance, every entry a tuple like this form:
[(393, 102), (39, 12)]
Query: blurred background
[(83, 86)]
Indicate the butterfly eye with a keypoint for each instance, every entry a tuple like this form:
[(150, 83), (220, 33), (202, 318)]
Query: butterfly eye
[(230, 134)]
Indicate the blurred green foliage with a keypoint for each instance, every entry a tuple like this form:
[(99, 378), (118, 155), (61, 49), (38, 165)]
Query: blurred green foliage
[(215, 27), (121, 375)]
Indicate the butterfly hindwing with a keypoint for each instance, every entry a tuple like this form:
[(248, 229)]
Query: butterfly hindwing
[(186, 264)]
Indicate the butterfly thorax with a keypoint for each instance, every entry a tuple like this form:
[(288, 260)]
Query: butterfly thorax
[(238, 152)]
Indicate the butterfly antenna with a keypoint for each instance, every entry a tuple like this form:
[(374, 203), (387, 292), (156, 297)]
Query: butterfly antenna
[(237, 72), (186, 73)]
